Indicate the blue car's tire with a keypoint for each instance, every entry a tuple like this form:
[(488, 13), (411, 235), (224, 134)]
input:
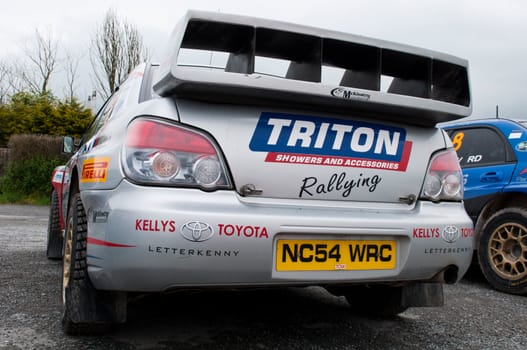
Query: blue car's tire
[(502, 250)]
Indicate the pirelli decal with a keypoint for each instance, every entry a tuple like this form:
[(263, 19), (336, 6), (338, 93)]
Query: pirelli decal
[(95, 169), (299, 139)]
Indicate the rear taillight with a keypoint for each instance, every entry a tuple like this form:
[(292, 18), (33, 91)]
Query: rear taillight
[(443, 180), (158, 152)]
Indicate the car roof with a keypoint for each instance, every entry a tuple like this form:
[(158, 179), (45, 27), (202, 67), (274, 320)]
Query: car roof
[(497, 122)]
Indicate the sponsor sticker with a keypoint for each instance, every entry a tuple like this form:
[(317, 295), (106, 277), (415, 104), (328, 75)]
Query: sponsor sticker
[(98, 216), (59, 175), (197, 231), (186, 252), (450, 234), (467, 232), (297, 139), (447, 251), (515, 135), (522, 146), (246, 231), (95, 169), (154, 225), (426, 232), (522, 175), (349, 94)]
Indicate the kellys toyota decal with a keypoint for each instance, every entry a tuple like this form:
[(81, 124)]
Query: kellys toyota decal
[(324, 141)]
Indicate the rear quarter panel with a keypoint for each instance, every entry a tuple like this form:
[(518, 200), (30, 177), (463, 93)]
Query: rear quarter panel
[(235, 129)]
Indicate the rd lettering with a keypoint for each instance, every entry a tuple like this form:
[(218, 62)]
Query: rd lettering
[(474, 159)]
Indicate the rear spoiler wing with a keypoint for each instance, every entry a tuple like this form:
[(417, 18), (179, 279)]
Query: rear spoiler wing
[(425, 87)]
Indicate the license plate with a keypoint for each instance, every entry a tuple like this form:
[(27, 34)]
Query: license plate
[(322, 255)]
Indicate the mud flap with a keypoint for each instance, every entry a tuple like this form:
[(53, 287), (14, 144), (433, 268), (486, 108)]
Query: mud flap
[(93, 306), (422, 295)]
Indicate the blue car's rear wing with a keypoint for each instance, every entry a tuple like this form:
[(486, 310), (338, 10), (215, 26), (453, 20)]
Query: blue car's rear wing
[(236, 59)]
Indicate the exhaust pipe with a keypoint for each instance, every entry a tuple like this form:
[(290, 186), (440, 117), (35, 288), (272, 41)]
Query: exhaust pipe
[(449, 275)]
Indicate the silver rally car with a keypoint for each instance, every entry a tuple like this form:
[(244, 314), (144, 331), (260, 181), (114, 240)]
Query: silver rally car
[(266, 154)]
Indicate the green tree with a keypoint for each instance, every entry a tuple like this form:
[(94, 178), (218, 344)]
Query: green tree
[(28, 178), (35, 113)]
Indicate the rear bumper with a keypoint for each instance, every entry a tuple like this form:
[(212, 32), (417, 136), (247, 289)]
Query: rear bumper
[(154, 239)]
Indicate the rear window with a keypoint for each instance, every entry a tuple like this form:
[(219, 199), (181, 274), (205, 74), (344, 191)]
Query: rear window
[(479, 147)]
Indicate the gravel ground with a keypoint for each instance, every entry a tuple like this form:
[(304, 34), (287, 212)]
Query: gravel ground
[(474, 317)]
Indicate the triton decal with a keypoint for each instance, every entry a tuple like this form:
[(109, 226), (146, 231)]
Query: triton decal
[(334, 142)]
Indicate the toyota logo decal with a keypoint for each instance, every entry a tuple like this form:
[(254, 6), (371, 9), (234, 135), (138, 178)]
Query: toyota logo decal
[(197, 231), (450, 234)]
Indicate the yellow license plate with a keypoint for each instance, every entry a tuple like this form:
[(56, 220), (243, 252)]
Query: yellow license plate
[(322, 255)]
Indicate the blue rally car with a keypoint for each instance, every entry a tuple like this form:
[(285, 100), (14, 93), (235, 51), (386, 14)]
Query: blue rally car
[(493, 156)]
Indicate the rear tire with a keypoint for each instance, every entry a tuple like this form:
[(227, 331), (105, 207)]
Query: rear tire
[(55, 239), (85, 309), (376, 300), (502, 250)]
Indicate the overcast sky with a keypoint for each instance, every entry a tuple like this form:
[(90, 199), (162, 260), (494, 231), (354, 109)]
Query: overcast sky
[(490, 34)]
